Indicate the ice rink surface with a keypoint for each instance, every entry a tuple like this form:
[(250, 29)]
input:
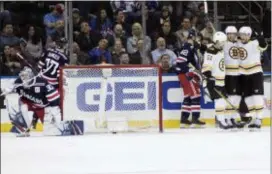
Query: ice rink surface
[(202, 151)]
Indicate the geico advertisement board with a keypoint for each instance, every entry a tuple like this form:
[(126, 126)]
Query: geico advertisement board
[(140, 98)]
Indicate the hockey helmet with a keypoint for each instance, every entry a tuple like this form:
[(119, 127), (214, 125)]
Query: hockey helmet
[(26, 74), (219, 37), (245, 30), (231, 29)]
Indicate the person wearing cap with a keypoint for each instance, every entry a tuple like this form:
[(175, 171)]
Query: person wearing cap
[(51, 18)]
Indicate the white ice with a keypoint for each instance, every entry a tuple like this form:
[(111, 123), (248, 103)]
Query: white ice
[(205, 151)]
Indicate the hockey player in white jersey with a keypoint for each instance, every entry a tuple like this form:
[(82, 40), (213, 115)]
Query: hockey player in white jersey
[(252, 74), (232, 84), (214, 70)]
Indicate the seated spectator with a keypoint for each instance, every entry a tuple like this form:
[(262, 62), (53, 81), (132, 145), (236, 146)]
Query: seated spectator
[(77, 19), (183, 32), (169, 36), (79, 57), (124, 58), (141, 56), (11, 66), (124, 6), (122, 20), (119, 33), (118, 49), (164, 63), (51, 18), (136, 35), (96, 53), (87, 38), (208, 31), (161, 49), (101, 23), (7, 37), (33, 43)]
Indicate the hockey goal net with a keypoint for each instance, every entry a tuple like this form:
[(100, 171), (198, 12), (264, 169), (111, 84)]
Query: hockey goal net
[(112, 98)]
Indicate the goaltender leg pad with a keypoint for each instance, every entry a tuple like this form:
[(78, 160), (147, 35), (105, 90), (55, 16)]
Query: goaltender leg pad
[(74, 127)]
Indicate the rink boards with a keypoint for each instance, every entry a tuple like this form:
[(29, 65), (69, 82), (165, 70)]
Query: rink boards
[(171, 103)]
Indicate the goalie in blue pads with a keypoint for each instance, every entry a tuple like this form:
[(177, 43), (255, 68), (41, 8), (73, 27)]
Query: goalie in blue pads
[(39, 97)]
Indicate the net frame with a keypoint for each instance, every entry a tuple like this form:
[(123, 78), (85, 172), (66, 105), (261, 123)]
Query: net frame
[(61, 91)]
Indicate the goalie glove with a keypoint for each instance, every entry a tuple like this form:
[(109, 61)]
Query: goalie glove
[(7, 90)]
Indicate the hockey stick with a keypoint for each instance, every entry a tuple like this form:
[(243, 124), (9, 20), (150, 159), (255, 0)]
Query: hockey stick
[(27, 81)]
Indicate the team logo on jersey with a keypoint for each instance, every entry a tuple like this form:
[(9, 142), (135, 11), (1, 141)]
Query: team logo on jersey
[(242, 53), (37, 89), (222, 65), (234, 52)]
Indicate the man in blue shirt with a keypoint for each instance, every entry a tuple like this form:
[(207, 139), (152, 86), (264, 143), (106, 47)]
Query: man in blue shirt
[(101, 51), (50, 19)]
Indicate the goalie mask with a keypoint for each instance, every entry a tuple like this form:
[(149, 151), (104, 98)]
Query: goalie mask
[(26, 75)]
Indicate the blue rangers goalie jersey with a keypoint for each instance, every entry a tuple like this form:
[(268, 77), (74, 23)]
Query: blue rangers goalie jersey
[(50, 63), (40, 93)]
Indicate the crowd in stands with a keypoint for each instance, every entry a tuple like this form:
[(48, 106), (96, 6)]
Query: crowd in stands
[(112, 33)]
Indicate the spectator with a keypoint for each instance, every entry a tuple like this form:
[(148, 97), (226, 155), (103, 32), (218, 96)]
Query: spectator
[(50, 19), (118, 49), (7, 37), (151, 25), (164, 63), (124, 6), (33, 43), (79, 57), (202, 17), (161, 49), (77, 19), (165, 15), (124, 58), (10, 64), (119, 33), (141, 56), (5, 17), (87, 38), (182, 34), (136, 35), (100, 51), (122, 20), (102, 23), (208, 31), (169, 36)]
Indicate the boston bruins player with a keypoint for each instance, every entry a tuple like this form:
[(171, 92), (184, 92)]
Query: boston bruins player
[(252, 74), (214, 70), (232, 84)]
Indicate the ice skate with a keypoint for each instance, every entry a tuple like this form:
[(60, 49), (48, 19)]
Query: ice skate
[(185, 123), (237, 124), (255, 124), (196, 123)]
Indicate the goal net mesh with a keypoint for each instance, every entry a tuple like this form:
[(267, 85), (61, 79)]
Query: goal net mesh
[(112, 98)]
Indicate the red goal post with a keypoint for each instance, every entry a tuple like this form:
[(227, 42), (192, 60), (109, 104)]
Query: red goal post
[(106, 96)]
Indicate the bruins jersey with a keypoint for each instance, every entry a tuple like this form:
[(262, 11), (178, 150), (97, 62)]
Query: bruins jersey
[(250, 57), (231, 55), (214, 62)]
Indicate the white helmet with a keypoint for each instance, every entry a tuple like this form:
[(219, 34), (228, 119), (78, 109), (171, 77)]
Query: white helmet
[(245, 30), (231, 29), (220, 37)]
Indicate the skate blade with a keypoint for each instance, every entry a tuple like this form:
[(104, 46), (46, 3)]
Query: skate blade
[(197, 126), (184, 126)]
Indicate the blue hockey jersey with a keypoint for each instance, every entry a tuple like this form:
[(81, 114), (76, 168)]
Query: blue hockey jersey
[(40, 93), (186, 55), (50, 63)]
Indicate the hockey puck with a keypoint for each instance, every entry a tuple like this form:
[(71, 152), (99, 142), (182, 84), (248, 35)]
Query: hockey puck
[(114, 132)]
